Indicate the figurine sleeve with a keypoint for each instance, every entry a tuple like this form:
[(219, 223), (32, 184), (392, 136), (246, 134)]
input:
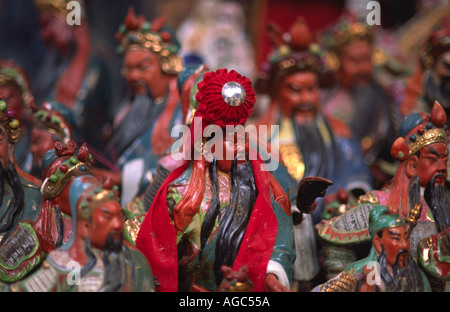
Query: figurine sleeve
[(283, 255)]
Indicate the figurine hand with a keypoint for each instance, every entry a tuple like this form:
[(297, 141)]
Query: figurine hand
[(271, 284)]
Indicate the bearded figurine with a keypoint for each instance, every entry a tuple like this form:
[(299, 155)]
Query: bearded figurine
[(389, 267), (431, 80), (221, 208), (422, 152), (356, 98), (305, 141), (30, 242), (97, 259), (140, 132), (74, 71)]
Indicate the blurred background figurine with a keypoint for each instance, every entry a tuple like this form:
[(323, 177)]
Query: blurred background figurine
[(73, 72), (140, 131), (221, 207), (309, 143), (356, 98), (97, 259)]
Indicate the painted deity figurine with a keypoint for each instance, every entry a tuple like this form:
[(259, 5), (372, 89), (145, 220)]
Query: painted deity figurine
[(221, 208), (356, 98), (430, 81), (422, 152), (307, 142), (97, 259), (53, 226), (74, 72), (140, 131), (389, 267)]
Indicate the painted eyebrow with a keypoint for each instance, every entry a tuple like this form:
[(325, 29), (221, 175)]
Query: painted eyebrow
[(393, 233), (435, 152)]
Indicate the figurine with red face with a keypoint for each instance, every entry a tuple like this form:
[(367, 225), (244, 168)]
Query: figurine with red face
[(355, 97), (140, 132), (422, 152), (389, 267), (53, 225), (306, 141), (221, 208), (104, 261)]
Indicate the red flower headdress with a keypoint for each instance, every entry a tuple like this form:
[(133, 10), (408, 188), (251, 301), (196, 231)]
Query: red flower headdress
[(225, 98)]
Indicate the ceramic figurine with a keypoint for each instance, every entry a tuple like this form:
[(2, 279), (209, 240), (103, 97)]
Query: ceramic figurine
[(97, 259), (308, 142), (53, 225), (422, 152), (221, 207), (355, 97), (75, 71), (141, 129), (389, 267), (428, 83)]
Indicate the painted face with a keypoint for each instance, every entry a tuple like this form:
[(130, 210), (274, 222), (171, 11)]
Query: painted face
[(41, 142), (232, 147), (299, 92), (433, 160), (142, 70), (356, 64), (107, 219), (396, 244), (55, 32)]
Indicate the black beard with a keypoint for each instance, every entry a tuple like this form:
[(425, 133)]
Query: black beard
[(116, 260), (407, 279), (437, 200), (318, 158), (233, 219), (12, 178), (142, 114)]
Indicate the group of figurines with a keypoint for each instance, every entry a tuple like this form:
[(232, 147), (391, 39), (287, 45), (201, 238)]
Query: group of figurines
[(341, 187)]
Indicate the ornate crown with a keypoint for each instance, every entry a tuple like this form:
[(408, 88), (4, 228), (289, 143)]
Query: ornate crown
[(52, 122), (65, 167), (156, 37), (346, 32), (9, 122), (419, 130), (94, 196)]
